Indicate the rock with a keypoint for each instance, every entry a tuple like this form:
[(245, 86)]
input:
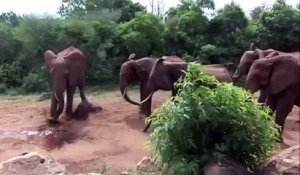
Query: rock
[(33, 164), (146, 165), (125, 173), (225, 168), (285, 162)]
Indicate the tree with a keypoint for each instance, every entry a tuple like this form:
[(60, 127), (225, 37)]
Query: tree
[(158, 8), (119, 10), (255, 12), (279, 27), (229, 32), (143, 34), (10, 18)]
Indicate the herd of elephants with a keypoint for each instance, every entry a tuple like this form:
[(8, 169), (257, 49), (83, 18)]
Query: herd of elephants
[(274, 73)]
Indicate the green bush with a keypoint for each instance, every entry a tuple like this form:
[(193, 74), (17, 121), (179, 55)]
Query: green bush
[(36, 81), (10, 74), (201, 125)]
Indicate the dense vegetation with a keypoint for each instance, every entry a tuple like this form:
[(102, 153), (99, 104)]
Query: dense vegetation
[(108, 30), (202, 125)]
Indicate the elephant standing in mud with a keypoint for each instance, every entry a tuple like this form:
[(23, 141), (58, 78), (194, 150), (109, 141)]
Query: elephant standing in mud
[(165, 74), (67, 70), (247, 60), (139, 71), (280, 76)]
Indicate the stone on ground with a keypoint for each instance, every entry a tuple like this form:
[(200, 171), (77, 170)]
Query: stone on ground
[(285, 162)]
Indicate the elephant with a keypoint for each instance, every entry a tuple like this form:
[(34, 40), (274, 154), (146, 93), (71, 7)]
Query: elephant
[(67, 70), (280, 76), (247, 60), (165, 74), (138, 71)]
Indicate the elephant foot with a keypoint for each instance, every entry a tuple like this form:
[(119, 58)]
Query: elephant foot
[(52, 120), (67, 117), (142, 116)]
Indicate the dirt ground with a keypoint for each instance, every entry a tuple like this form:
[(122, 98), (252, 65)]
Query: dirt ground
[(109, 141)]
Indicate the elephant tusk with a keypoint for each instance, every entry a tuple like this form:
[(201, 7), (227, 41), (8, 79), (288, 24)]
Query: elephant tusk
[(150, 95), (123, 95), (56, 96)]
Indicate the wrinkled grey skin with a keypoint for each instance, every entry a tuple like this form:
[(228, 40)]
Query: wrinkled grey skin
[(165, 74), (280, 76), (139, 71), (247, 60), (67, 70)]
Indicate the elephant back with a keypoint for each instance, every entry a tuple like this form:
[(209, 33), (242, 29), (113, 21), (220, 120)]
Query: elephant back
[(73, 54)]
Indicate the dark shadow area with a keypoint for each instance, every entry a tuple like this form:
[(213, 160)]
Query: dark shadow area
[(135, 123), (54, 136)]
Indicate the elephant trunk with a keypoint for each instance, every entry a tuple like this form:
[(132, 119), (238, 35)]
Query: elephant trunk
[(236, 74), (57, 104), (123, 89)]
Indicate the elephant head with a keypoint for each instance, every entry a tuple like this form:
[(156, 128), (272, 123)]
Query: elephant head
[(164, 74), (271, 74), (248, 58), (135, 71)]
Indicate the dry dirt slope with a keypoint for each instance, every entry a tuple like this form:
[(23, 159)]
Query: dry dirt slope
[(110, 140)]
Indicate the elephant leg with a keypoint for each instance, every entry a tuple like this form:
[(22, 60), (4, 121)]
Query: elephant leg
[(82, 94), (53, 107), (174, 92), (70, 95), (271, 103), (145, 108), (284, 106), (263, 95)]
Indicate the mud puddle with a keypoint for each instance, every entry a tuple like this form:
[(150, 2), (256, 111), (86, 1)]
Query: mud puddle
[(49, 137)]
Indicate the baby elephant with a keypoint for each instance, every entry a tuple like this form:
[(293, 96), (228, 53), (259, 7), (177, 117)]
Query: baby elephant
[(83, 109)]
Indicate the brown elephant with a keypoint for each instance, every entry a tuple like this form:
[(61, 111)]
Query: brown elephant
[(280, 76), (139, 71), (247, 60), (165, 74), (67, 70)]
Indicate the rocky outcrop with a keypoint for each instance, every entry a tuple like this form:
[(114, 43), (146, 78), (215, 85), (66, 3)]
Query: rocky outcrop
[(285, 162), (225, 168), (33, 164), (146, 165)]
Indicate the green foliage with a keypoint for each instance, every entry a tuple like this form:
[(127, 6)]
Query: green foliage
[(107, 31), (9, 18), (36, 81), (10, 74), (143, 34), (116, 10), (202, 124), (279, 28)]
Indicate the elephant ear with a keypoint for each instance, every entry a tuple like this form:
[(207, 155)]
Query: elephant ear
[(259, 53), (252, 46), (285, 73), (131, 56), (48, 57), (153, 70)]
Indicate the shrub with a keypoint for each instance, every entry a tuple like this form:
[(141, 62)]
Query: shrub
[(201, 125), (36, 81), (10, 74)]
